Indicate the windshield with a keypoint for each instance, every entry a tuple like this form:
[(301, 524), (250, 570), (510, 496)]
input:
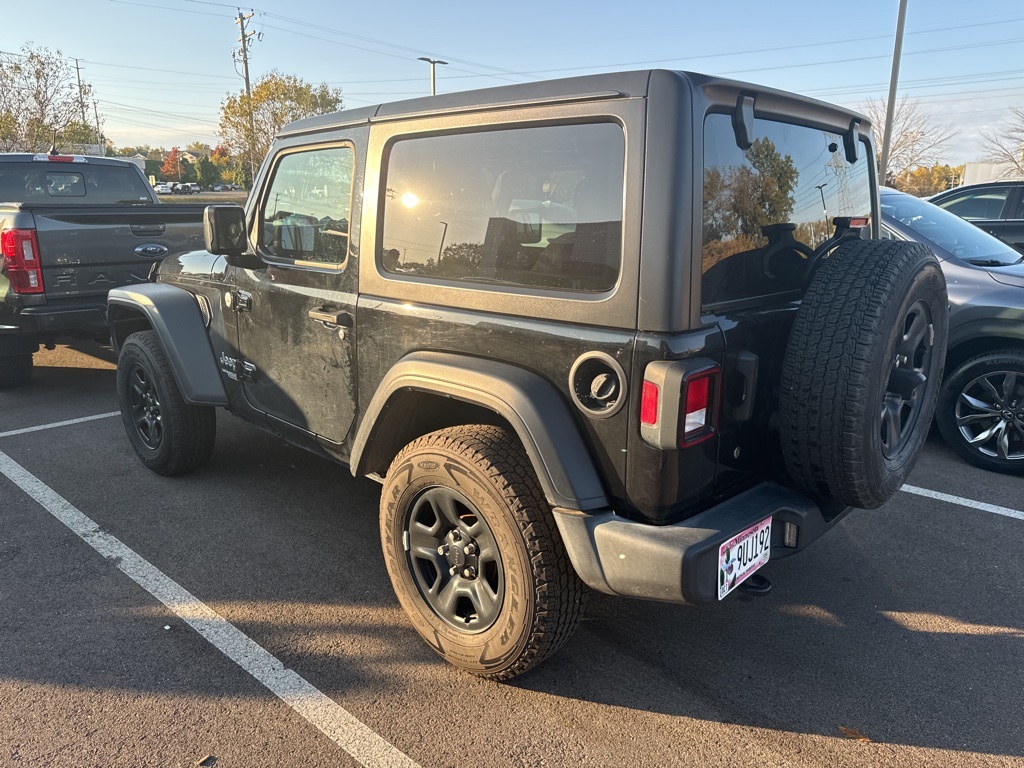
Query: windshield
[(947, 231)]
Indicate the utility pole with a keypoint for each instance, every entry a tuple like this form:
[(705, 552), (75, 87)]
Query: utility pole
[(432, 63), (99, 136), (244, 40), (81, 97), (890, 108)]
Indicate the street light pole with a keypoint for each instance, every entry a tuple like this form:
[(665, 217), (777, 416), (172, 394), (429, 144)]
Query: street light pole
[(444, 233), (890, 108), (432, 63), (824, 208)]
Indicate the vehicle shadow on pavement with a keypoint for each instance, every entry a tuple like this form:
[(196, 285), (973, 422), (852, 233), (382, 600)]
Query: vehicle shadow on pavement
[(870, 629)]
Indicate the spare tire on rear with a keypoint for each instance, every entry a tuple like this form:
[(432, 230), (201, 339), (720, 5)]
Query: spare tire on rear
[(862, 371)]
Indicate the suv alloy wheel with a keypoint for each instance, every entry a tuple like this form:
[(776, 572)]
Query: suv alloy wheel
[(981, 411)]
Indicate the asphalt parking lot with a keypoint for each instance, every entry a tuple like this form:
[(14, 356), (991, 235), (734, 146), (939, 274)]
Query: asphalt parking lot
[(242, 616)]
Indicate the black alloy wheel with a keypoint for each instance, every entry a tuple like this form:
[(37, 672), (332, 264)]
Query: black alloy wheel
[(474, 554), (169, 436), (454, 559), (908, 379), (144, 402)]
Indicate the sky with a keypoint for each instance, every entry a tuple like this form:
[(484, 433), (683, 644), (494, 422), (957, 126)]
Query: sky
[(161, 68)]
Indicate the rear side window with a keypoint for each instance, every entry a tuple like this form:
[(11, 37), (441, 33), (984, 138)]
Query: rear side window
[(532, 207), (40, 183), (978, 204), (305, 213), (766, 208)]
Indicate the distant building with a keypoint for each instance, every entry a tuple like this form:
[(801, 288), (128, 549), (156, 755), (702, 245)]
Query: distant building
[(979, 173)]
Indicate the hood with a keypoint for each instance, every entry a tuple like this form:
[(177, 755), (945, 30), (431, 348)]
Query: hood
[(1012, 275)]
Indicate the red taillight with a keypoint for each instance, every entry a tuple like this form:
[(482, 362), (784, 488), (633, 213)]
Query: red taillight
[(698, 414), (679, 402), (859, 222), (649, 403), (21, 260)]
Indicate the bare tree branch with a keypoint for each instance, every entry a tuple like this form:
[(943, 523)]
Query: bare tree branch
[(915, 141), (39, 94), (1005, 145)]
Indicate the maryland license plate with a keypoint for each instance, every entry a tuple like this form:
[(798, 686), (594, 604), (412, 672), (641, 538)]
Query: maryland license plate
[(743, 554)]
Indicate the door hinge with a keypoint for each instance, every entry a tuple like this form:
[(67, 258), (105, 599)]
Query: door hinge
[(238, 301)]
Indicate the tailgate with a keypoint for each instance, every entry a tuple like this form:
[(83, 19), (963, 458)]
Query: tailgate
[(88, 250)]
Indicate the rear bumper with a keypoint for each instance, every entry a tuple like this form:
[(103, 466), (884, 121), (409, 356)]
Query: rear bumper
[(72, 319), (679, 563)]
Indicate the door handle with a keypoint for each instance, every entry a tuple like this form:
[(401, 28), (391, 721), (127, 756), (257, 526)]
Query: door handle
[(331, 318)]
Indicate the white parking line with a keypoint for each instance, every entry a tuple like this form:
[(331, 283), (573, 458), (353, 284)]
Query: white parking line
[(994, 509), (56, 424), (337, 723)]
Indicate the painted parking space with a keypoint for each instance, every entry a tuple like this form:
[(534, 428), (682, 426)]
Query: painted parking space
[(895, 625)]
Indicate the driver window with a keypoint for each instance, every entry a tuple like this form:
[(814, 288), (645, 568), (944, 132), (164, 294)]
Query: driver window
[(305, 214)]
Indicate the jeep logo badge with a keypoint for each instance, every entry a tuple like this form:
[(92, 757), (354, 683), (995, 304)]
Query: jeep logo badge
[(152, 250)]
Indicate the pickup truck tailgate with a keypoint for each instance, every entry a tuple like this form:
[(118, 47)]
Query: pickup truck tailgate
[(87, 250)]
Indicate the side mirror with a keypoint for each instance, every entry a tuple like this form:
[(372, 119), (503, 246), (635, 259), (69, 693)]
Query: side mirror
[(224, 231)]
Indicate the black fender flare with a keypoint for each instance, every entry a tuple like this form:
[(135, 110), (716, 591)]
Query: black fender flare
[(533, 407), (175, 316)]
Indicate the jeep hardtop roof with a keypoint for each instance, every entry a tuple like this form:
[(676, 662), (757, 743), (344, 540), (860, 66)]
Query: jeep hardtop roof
[(634, 84)]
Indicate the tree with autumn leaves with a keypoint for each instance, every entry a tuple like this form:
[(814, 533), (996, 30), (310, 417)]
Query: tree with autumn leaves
[(171, 169), (248, 126)]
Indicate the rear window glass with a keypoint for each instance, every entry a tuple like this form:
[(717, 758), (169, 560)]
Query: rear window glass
[(767, 207), (533, 207), (70, 183), (65, 185)]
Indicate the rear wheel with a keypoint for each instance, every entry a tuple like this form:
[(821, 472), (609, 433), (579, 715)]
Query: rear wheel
[(170, 436), (981, 411), (473, 552), (15, 371)]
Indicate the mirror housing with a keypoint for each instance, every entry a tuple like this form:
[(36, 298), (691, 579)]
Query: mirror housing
[(224, 231)]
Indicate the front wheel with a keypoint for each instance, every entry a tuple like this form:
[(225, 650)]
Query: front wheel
[(981, 411), (170, 436), (473, 552)]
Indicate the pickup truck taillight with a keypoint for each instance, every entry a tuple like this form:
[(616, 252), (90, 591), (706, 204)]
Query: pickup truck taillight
[(679, 402), (21, 260)]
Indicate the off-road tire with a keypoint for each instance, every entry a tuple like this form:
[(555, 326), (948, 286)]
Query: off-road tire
[(841, 363), (183, 437), (15, 371), (1007, 413), (543, 597)]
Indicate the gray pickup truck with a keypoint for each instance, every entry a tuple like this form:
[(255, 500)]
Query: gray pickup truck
[(72, 228)]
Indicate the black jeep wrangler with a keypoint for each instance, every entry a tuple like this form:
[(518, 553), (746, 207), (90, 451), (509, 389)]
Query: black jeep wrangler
[(593, 331)]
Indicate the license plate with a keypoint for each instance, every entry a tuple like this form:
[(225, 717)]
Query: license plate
[(743, 554)]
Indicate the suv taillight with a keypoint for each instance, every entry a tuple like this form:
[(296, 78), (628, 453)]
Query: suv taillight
[(21, 260), (679, 402)]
